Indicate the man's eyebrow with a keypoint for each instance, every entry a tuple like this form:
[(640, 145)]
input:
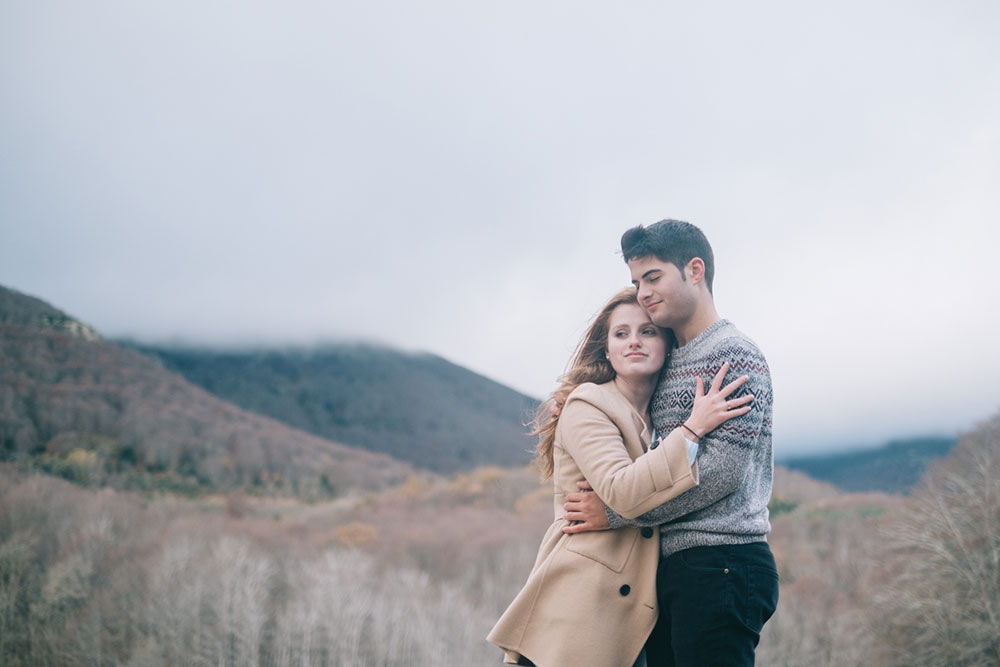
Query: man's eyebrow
[(646, 274)]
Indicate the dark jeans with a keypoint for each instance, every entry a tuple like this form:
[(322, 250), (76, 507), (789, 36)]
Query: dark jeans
[(713, 603)]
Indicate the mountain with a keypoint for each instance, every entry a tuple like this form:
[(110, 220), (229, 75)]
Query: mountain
[(892, 468), (418, 408), (92, 411), (22, 310)]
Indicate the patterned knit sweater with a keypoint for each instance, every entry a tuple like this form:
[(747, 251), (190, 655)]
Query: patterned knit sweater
[(735, 461)]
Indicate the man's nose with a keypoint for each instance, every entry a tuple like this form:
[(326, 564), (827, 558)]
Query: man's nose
[(643, 293)]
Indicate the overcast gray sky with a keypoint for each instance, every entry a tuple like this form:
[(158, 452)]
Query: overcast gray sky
[(454, 177)]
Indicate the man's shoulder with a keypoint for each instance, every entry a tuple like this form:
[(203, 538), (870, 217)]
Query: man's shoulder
[(723, 343), (730, 344)]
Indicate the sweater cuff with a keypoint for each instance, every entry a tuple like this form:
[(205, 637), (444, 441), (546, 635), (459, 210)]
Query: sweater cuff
[(616, 520)]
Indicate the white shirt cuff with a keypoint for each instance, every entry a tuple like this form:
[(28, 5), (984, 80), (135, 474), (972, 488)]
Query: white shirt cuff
[(692, 450)]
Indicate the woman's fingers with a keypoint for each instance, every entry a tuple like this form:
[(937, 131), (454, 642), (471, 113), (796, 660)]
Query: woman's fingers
[(734, 385), (737, 402), (699, 387), (720, 376)]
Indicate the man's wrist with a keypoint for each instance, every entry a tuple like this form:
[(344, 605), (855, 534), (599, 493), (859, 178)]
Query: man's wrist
[(614, 520)]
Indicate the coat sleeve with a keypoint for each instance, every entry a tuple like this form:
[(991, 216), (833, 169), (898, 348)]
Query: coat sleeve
[(595, 443)]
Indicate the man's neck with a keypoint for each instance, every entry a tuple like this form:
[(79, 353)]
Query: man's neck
[(702, 318)]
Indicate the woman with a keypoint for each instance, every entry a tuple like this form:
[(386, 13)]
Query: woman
[(590, 599)]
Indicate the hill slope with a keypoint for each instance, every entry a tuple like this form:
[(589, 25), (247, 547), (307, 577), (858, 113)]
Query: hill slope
[(418, 408), (22, 310), (892, 468), (95, 412)]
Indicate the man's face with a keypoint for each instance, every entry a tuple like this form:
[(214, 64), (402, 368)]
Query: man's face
[(667, 298)]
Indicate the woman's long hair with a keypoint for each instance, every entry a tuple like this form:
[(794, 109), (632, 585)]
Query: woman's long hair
[(589, 364)]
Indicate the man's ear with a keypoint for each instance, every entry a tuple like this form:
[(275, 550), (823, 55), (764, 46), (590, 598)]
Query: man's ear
[(695, 269)]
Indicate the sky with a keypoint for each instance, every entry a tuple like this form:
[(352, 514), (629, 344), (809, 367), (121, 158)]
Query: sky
[(454, 177)]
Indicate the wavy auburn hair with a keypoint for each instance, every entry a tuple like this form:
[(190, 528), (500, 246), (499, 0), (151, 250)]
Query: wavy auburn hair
[(589, 364)]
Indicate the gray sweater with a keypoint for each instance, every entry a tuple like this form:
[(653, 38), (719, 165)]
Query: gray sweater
[(735, 460)]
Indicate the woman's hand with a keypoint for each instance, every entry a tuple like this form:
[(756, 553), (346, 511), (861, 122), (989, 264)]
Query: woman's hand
[(713, 407)]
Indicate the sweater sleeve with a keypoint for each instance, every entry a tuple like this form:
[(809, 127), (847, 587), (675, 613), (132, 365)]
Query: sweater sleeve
[(595, 443), (724, 453)]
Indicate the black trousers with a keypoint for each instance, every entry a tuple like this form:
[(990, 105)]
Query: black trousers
[(713, 603)]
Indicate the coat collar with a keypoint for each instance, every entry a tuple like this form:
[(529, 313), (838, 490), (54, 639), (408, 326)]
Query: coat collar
[(641, 427)]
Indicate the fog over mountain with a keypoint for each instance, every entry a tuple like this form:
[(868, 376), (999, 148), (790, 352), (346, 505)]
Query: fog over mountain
[(455, 179)]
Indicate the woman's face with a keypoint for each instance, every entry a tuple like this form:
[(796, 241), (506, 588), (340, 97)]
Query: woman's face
[(636, 347)]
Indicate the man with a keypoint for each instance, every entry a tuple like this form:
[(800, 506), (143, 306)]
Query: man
[(717, 583)]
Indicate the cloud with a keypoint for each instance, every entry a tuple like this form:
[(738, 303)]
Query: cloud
[(455, 177)]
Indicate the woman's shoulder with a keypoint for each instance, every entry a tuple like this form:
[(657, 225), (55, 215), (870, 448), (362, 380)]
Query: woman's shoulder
[(603, 396)]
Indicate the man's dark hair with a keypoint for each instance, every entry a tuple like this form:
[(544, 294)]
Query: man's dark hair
[(673, 241)]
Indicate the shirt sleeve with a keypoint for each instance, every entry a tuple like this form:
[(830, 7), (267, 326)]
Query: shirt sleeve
[(692, 448)]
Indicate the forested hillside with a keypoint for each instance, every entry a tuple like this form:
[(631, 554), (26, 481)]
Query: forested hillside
[(416, 575), (282, 548), (418, 408), (892, 468), (93, 412)]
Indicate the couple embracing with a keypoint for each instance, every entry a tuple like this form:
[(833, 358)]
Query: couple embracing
[(659, 446)]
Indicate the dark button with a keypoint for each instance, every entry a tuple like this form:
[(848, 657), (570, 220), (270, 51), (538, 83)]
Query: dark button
[(656, 443), (625, 590), (647, 532)]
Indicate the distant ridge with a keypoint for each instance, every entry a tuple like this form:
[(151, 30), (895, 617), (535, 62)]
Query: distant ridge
[(99, 414), (27, 311), (418, 408), (893, 468)]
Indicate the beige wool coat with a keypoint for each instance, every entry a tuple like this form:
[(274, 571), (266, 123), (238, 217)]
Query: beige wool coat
[(590, 600)]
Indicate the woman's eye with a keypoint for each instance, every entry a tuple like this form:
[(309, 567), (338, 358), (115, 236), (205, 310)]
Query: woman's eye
[(620, 334)]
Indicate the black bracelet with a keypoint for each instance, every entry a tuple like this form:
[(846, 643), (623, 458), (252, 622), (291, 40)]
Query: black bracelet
[(692, 431)]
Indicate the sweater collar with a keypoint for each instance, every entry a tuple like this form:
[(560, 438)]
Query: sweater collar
[(697, 341)]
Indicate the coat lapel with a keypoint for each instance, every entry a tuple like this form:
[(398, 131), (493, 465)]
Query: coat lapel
[(637, 421)]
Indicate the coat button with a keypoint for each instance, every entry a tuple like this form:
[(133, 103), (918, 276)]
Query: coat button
[(655, 444), (647, 532), (726, 571), (625, 590)]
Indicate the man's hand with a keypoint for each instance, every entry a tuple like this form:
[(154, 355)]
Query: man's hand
[(586, 509)]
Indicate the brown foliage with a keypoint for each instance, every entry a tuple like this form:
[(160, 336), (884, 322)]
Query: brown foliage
[(102, 577), (418, 574)]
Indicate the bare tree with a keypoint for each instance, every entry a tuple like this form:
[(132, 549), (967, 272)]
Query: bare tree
[(941, 601)]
